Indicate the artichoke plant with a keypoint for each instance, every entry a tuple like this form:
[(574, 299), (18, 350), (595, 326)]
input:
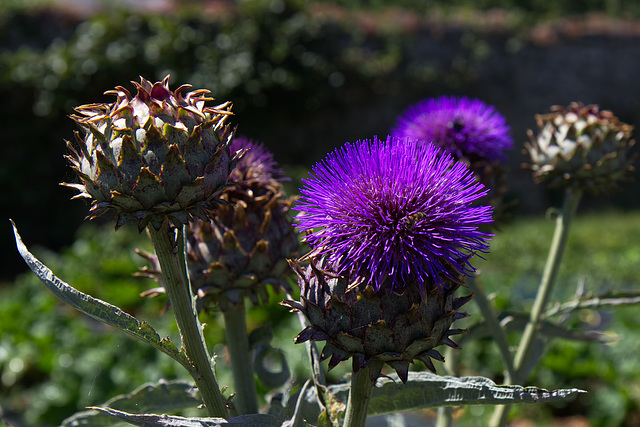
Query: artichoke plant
[(581, 147), (159, 158), (391, 228), (157, 154)]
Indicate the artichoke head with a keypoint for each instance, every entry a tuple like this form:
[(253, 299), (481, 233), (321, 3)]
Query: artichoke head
[(244, 245), (157, 154), (375, 327), (581, 147)]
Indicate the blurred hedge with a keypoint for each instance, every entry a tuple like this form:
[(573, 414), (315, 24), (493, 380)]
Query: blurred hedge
[(277, 63), (304, 77)]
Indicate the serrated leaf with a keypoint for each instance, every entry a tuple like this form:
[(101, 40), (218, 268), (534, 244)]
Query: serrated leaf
[(98, 309), (163, 396), (153, 420), (427, 390)]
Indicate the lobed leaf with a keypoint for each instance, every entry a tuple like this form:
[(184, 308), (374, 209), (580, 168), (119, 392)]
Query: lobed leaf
[(607, 300), (517, 322)]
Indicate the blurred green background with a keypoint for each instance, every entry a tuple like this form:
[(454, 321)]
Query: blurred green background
[(304, 77)]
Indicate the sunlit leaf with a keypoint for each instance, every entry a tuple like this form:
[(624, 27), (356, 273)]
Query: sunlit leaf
[(427, 390), (153, 420)]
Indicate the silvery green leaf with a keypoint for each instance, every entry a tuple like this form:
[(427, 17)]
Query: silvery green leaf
[(164, 396), (98, 309), (154, 420), (427, 390), (607, 300)]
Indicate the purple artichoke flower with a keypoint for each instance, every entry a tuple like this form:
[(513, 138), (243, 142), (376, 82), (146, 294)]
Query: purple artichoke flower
[(467, 128), (399, 209), (257, 164)]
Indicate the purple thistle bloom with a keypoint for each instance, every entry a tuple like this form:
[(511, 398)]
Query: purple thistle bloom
[(467, 128), (256, 164), (393, 209)]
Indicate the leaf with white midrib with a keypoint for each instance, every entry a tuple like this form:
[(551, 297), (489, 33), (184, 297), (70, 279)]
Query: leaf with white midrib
[(427, 390), (98, 309)]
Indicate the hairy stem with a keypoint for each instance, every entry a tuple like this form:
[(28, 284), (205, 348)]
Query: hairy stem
[(359, 398), (169, 246), (241, 364), (522, 363)]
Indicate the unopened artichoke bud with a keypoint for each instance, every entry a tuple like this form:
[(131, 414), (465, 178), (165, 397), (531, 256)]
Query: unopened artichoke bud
[(375, 327), (159, 154), (580, 147), (243, 248)]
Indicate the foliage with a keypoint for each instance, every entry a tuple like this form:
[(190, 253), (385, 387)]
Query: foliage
[(56, 362), (53, 361), (265, 54), (611, 265)]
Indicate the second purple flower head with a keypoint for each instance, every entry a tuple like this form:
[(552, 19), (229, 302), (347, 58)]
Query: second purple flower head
[(467, 128)]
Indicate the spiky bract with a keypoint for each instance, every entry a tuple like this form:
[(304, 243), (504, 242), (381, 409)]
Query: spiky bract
[(375, 327)]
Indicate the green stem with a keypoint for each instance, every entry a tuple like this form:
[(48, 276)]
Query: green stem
[(359, 398), (169, 246), (241, 364), (563, 223), (529, 337)]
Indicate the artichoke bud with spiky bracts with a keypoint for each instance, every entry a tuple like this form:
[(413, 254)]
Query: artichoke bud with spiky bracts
[(375, 327), (580, 147), (392, 226), (243, 248), (159, 154)]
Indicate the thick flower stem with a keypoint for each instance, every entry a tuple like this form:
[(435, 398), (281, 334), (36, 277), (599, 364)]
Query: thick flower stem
[(521, 363), (169, 246), (246, 400), (359, 398)]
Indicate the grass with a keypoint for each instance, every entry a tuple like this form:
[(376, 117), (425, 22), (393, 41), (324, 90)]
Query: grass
[(603, 251), (54, 361)]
